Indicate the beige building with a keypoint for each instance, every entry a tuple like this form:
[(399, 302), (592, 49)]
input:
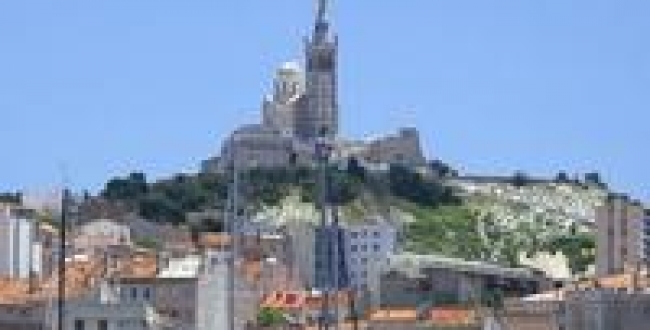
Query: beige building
[(619, 244)]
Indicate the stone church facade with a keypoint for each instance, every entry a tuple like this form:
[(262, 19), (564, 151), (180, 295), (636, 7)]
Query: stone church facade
[(303, 110)]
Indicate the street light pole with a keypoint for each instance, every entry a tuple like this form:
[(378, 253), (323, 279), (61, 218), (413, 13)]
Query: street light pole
[(323, 237), (62, 253), (231, 223)]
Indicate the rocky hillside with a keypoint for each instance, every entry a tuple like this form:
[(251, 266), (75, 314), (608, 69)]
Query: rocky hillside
[(542, 224), (547, 224)]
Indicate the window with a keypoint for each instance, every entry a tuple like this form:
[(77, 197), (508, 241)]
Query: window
[(102, 325), (147, 293), (354, 234), (376, 234), (353, 248), (134, 293), (79, 325), (364, 248)]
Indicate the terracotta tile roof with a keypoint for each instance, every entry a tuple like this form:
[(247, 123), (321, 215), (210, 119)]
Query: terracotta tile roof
[(618, 281), (283, 300), (80, 278), (13, 291), (291, 300), (450, 316), (393, 315), (139, 267), (214, 240), (78, 282)]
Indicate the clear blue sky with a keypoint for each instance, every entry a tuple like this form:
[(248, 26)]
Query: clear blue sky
[(107, 87)]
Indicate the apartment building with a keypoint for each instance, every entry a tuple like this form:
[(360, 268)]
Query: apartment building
[(18, 246), (368, 245), (620, 234), (409, 280)]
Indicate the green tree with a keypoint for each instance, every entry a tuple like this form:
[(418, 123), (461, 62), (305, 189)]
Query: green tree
[(131, 188), (355, 169), (579, 250), (413, 187), (270, 317)]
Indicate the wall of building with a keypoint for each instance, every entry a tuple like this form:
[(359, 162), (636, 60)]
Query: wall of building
[(256, 146), (412, 281), (530, 315), (619, 244), (605, 310), (401, 149), (22, 317), (367, 247), (646, 237), (213, 308), (303, 240), (17, 236), (100, 234), (279, 110)]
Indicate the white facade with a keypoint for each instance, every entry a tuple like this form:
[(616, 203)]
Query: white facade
[(646, 237), (302, 241), (213, 309), (368, 246), (17, 237)]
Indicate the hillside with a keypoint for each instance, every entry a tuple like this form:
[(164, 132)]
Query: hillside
[(499, 222)]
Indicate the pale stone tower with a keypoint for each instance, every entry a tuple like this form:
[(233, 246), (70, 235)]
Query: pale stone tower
[(280, 109), (319, 117)]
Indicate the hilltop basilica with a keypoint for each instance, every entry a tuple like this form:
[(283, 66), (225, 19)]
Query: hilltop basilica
[(302, 110)]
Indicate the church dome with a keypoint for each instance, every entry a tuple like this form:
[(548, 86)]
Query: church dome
[(290, 67)]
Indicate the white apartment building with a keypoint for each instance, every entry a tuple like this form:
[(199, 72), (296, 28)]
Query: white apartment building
[(367, 247), (17, 244)]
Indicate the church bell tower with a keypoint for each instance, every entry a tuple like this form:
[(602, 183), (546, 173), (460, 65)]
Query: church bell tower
[(320, 116)]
